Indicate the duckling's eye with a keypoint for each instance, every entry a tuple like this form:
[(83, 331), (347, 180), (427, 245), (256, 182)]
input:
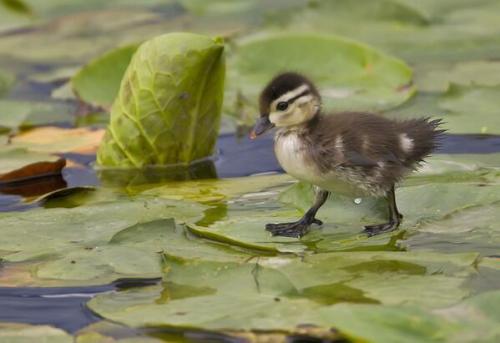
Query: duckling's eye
[(282, 106)]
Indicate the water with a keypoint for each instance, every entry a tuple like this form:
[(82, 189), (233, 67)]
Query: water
[(64, 307)]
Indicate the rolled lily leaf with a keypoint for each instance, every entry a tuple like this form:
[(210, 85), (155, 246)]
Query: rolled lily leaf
[(169, 104)]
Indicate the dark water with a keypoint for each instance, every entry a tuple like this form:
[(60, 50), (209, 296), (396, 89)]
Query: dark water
[(65, 307), (62, 307)]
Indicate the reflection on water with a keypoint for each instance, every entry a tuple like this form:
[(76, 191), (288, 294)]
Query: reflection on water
[(34, 187), (155, 175)]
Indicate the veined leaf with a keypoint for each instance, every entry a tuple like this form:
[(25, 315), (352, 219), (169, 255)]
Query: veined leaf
[(169, 104)]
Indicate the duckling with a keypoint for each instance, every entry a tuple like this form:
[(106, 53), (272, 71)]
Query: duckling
[(350, 153)]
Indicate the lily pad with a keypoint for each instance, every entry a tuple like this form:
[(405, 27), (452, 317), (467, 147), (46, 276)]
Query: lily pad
[(58, 140), (136, 251), (62, 229), (17, 114), (214, 190), (416, 31), (98, 82), (243, 224), (24, 333), (438, 76), (267, 294), (471, 109), (5, 82), (473, 229), (351, 75)]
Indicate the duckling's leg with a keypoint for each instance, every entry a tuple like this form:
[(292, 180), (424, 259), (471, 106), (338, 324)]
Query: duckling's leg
[(394, 217), (300, 227)]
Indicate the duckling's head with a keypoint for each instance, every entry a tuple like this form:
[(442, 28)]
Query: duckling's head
[(290, 99)]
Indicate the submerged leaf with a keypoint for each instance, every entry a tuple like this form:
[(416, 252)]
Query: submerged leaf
[(168, 107), (98, 82)]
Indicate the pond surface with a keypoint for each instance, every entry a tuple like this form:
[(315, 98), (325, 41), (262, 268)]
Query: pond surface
[(107, 255), (64, 307)]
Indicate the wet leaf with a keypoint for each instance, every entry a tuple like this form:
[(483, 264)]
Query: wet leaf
[(472, 229), (243, 224), (102, 263), (24, 333), (98, 82), (174, 241), (19, 164), (163, 113), (350, 75), (266, 294), (60, 229), (59, 140), (213, 190)]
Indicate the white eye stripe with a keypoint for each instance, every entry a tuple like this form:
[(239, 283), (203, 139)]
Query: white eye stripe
[(303, 99), (290, 95)]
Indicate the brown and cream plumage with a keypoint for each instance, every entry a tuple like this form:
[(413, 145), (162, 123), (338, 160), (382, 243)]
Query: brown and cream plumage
[(352, 153)]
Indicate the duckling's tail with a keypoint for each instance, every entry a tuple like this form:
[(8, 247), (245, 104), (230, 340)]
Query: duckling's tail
[(420, 137)]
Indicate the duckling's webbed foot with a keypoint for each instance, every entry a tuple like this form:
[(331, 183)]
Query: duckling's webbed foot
[(300, 227), (372, 230), (295, 229), (394, 215)]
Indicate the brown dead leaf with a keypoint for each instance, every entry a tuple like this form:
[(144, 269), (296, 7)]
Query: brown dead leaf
[(59, 140), (34, 170)]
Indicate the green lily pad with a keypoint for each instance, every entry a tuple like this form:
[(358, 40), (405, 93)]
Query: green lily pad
[(473, 320), (416, 31), (62, 229), (134, 251), (472, 109), (98, 82), (213, 190), (106, 263), (24, 333), (16, 114), (5, 82), (473, 229), (438, 76), (265, 295), (243, 225), (175, 242), (349, 74)]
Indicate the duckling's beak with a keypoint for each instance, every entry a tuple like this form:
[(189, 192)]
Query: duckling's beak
[(262, 125)]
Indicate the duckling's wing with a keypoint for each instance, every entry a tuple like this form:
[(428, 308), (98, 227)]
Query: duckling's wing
[(355, 159)]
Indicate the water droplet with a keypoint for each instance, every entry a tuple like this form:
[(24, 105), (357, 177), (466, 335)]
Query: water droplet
[(357, 201)]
